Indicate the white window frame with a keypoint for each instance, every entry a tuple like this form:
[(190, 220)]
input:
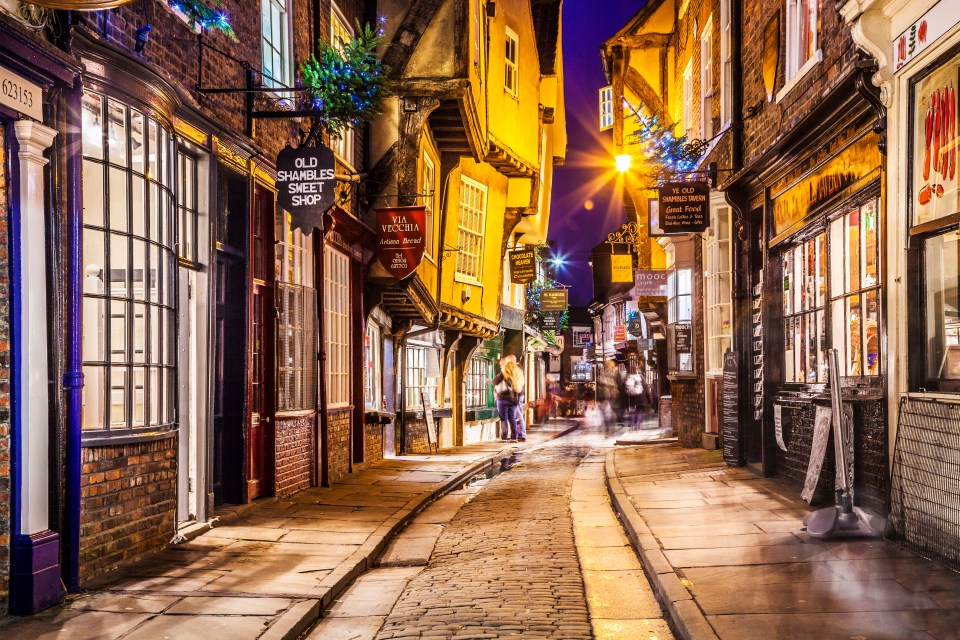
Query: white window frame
[(605, 99), (428, 190), (336, 326), (797, 62), (281, 51), (511, 65), (293, 252), (476, 395), (342, 144), (687, 118), (679, 289), (706, 80), (726, 65), (717, 305), (373, 367), (471, 224)]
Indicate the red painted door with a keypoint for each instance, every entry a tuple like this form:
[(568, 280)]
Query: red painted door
[(260, 428)]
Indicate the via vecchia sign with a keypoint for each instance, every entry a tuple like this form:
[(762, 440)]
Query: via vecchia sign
[(401, 239), (305, 185)]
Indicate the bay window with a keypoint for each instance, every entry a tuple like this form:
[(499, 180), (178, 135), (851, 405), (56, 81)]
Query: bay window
[(336, 315), (129, 288)]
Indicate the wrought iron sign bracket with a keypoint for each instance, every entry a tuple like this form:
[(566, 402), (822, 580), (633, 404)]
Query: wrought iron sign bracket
[(250, 90), (866, 66)]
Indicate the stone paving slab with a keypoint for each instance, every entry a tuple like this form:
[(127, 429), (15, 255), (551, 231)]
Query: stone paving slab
[(273, 566), (741, 567)]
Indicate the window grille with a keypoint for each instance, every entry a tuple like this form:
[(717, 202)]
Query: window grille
[(471, 221), (296, 348), (478, 392)]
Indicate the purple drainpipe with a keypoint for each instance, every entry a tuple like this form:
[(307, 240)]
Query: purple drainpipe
[(73, 376)]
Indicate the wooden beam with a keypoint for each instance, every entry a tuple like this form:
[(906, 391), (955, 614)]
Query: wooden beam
[(408, 34)]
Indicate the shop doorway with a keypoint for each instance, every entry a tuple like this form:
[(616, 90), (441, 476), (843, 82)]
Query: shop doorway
[(230, 337), (260, 427)]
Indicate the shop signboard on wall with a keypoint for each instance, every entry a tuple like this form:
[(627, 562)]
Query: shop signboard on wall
[(582, 336), (553, 300), (730, 419), (21, 95), (936, 127), (652, 282), (846, 161), (523, 266), (620, 333), (305, 185), (621, 267), (401, 236), (684, 207), (683, 337), (927, 29)]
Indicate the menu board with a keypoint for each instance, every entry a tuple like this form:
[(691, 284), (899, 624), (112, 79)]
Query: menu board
[(730, 409)]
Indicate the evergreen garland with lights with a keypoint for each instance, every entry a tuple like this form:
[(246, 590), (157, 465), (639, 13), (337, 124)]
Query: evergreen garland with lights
[(346, 83), (534, 315), (666, 154), (205, 17)]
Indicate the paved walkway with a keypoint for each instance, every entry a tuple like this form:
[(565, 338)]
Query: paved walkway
[(270, 572), (729, 558)]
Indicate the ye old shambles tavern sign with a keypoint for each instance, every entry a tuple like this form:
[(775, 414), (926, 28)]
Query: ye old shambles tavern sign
[(401, 236), (305, 185), (684, 207)]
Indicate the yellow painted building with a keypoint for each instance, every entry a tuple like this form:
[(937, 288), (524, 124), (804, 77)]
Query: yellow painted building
[(473, 132)]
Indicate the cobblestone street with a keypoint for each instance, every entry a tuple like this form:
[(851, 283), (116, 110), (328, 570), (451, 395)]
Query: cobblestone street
[(507, 564)]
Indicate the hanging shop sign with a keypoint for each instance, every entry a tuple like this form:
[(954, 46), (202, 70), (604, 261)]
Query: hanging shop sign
[(635, 327), (549, 322), (582, 336), (847, 161), (645, 344), (915, 39), (683, 337), (305, 185), (21, 95), (523, 266), (620, 333), (652, 282), (553, 300), (936, 176), (684, 207), (401, 237), (621, 267)]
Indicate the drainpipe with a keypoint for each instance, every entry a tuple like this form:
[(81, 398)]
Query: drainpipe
[(73, 376)]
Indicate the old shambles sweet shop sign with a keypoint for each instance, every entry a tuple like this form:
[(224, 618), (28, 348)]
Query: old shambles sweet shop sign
[(305, 185), (401, 238)]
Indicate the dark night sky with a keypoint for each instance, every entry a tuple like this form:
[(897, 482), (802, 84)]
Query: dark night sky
[(587, 178)]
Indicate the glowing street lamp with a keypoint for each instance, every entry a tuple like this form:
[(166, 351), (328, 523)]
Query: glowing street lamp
[(624, 162)]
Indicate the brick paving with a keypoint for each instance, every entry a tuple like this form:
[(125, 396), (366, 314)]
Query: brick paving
[(506, 565)]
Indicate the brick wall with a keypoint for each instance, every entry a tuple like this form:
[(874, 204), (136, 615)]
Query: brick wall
[(294, 456), (338, 444), (871, 480), (4, 381), (416, 435), (373, 442), (775, 119), (129, 502)]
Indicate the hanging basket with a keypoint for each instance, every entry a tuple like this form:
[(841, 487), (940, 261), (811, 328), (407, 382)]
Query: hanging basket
[(79, 5)]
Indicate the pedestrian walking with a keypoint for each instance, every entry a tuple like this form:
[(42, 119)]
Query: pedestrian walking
[(639, 394), (611, 391), (508, 390)]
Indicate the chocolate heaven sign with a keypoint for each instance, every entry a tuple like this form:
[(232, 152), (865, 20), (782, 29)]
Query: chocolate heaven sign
[(401, 238), (305, 185)]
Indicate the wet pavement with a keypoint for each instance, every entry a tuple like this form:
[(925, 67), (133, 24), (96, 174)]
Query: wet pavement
[(272, 570), (729, 557)]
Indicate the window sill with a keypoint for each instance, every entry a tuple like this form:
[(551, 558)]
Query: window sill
[(816, 59), (333, 408), (293, 413), (106, 439), (465, 279)]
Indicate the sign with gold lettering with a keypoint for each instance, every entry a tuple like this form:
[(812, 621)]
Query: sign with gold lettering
[(684, 207), (523, 266), (843, 162), (401, 236)]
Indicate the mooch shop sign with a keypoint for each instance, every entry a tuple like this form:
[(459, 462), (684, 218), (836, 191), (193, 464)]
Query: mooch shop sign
[(401, 238), (684, 207), (305, 185)]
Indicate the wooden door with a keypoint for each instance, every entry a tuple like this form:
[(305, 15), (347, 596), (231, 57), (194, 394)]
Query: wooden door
[(228, 372), (260, 428)]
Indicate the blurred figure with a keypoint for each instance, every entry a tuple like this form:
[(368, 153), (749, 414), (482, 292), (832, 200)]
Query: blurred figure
[(552, 398), (610, 391), (639, 394), (508, 390)]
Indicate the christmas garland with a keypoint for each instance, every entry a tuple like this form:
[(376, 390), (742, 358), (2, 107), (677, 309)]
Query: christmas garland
[(666, 154), (345, 81), (203, 16)]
